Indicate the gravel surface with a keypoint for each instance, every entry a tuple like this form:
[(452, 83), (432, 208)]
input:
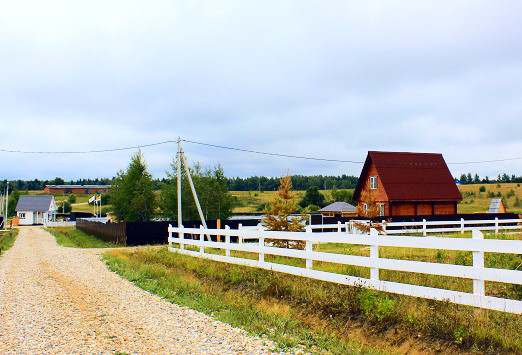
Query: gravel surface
[(64, 300)]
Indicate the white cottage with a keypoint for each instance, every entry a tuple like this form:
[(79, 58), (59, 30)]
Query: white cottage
[(35, 209)]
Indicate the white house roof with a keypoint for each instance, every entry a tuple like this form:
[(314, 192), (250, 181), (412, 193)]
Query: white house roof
[(34, 203), (338, 207)]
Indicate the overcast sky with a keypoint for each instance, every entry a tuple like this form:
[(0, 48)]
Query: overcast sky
[(328, 79)]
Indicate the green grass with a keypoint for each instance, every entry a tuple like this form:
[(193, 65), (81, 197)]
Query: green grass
[(72, 237), (7, 240), (319, 315)]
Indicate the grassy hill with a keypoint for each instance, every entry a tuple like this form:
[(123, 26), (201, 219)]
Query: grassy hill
[(474, 201)]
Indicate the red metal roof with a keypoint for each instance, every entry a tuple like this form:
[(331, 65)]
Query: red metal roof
[(411, 176)]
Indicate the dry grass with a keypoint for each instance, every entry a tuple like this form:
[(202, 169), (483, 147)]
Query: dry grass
[(479, 202)]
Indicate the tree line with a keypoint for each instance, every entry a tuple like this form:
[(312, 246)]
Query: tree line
[(476, 179)]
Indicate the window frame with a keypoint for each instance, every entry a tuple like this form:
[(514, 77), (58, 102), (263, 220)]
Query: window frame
[(381, 206), (21, 215), (373, 181)]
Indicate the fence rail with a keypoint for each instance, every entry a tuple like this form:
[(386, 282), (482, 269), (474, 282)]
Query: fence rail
[(425, 227), (478, 273), (60, 224)]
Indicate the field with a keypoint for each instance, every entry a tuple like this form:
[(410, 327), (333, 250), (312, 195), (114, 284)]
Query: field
[(474, 201), (320, 315), (477, 201)]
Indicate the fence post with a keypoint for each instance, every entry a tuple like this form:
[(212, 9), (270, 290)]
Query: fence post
[(496, 225), (338, 226), (384, 227), (424, 227), (240, 237), (181, 236), (309, 245), (201, 248), (170, 236), (478, 264), (374, 254), (227, 240), (260, 226), (462, 226), (261, 247), (347, 227), (351, 226)]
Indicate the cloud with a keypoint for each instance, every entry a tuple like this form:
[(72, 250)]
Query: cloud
[(301, 77)]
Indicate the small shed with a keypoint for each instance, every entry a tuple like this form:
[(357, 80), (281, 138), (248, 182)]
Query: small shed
[(32, 210), (338, 209), (497, 206)]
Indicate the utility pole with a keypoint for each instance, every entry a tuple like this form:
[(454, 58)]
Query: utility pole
[(6, 203), (178, 169)]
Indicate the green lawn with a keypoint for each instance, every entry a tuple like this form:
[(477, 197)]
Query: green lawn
[(7, 240), (293, 310), (72, 237)]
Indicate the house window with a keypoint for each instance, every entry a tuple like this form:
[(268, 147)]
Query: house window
[(87, 191), (381, 209), (21, 215), (365, 206), (67, 192), (373, 182)]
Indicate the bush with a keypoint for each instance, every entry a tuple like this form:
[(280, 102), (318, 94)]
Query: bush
[(482, 189), (72, 198), (64, 207), (511, 193), (491, 194), (376, 307), (499, 194), (517, 202)]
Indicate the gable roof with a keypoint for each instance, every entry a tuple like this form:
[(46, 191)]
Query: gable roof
[(338, 207), (34, 203), (411, 176), (494, 206)]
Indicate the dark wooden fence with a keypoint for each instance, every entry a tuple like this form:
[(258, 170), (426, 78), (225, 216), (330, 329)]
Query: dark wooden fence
[(144, 233)]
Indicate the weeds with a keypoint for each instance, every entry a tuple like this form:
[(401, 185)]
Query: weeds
[(7, 240), (75, 238)]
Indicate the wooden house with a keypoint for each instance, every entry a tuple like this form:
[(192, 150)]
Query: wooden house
[(76, 189), (407, 184)]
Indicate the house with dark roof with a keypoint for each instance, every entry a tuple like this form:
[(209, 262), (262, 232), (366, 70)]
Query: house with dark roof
[(338, 209), (35, 209), (407, 184)]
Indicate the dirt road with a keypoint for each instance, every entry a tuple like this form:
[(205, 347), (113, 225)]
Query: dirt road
[(64, 300)]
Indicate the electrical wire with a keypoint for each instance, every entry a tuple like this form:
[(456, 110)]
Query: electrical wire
[(229, 148)]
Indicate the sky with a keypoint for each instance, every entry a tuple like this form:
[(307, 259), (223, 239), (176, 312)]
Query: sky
[(325, 79)]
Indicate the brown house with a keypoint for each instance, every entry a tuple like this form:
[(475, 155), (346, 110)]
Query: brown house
[(76, 189), (407, 184)]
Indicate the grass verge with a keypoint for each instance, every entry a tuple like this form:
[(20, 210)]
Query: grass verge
[(7, 240), (72, 237), (293, 310)]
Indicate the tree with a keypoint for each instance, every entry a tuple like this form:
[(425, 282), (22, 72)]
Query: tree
[(343, 196), (367, 199), (64, 207), (57, 181), (312, 197), (71, 198), (132, 193), (13, 200), (277, 214), (211, 187)]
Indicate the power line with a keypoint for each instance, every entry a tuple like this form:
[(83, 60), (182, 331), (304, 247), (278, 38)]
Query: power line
[(229, 148), (273, 154), (86, 151)]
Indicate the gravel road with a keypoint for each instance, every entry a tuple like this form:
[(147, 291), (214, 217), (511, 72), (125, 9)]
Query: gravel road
[(64, 300)]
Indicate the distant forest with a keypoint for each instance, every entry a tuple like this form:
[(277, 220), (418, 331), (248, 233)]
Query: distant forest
[(255, 183)]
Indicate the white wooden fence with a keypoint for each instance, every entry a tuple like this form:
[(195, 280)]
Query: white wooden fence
[(426, 227), (59, 224), (478, 273)]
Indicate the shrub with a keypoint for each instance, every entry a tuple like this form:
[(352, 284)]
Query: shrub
[(72, 198), (499, 194), (482, 189), (517, 202), (376, 307), (491, 194), (64, 207), (498, 185), (511, 193)]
